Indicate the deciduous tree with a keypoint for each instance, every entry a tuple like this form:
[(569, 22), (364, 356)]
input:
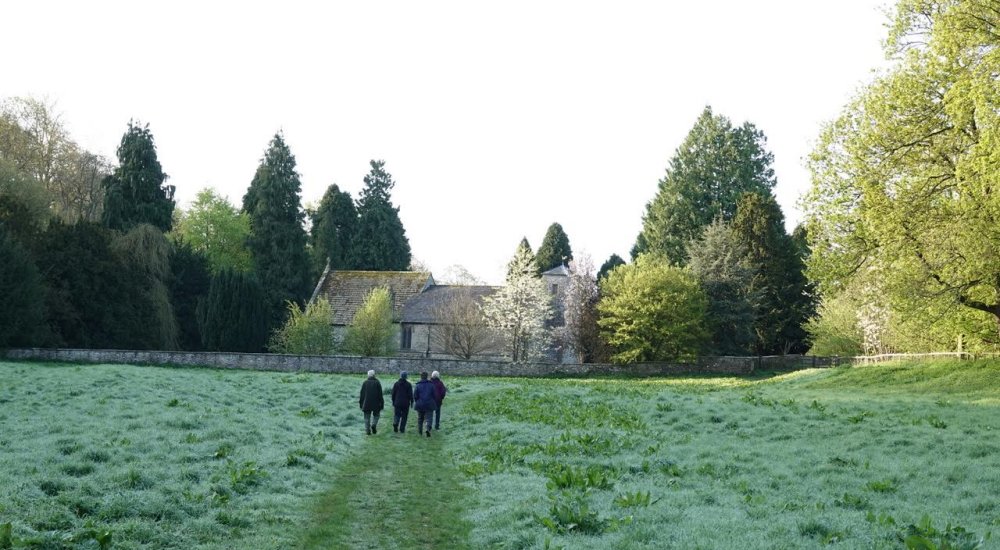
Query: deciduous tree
[(216, 229), (904, 181), (580, 312), (652, 311), (463, 331), (520, 310), (527, 257), (34, 141), (306, 331), (372, 332)]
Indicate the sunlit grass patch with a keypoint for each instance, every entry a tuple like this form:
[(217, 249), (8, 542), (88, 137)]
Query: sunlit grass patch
[(794, 460)]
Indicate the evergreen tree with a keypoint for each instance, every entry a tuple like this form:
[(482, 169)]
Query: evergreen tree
[(784, 304), (711, 169), (22, 309), (719, 260), (190, 278), (233, 316), (333, 228), (94, 297), (555, 250), (380, 242), (134, 193), (612, 262), (277, 239)]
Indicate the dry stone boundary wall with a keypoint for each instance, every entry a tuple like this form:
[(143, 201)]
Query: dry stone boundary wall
[(383, 365)]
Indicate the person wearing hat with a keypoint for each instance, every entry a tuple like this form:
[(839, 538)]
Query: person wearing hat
[(371, 402), (402, 400), (423, 401), (439, 392)]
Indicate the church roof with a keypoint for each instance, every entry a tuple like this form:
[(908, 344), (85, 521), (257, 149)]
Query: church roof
[(347, 290), (559, 270), (426, 307)]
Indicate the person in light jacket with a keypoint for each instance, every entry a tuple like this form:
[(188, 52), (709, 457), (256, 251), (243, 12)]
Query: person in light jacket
[(371, 402), (440, 390), (423, 401), (402, 400)]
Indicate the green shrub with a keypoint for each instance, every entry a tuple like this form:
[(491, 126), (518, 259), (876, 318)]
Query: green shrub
[(306, 331)]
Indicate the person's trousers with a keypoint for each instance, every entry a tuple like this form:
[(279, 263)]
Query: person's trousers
[(422, 418), (399, 417), (437, 417), (371, 420)]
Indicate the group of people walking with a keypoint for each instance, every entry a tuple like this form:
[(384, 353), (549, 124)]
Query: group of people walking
[(426, 397)]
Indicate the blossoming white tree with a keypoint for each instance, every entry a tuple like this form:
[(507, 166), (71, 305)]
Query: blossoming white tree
[(580, 311), (520, 309)]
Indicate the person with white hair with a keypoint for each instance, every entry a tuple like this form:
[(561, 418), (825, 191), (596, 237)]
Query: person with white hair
[(439, 392), (371, 402)]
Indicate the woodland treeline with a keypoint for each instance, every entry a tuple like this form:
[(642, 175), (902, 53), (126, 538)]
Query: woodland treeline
[(898, 250)]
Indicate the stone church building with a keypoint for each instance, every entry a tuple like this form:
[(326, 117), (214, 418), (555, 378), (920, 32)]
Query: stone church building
[(426, 312)]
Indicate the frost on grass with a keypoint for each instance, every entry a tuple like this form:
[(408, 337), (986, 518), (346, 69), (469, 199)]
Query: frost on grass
[(157, 457), (725, 463)]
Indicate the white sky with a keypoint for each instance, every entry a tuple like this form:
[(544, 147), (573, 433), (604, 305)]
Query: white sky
[(495, 119)]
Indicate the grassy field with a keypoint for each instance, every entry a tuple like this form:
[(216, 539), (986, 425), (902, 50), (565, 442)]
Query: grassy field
[(870, 457), (166, 458)]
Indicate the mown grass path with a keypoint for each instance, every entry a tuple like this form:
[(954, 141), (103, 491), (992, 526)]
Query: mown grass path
[(396, 491)]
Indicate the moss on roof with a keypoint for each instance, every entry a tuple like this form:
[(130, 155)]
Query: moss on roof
[(347, 290)]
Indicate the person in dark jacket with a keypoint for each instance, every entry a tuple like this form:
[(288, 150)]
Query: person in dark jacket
[(402, 400), (371, 402), (423, 401), (439, 392)]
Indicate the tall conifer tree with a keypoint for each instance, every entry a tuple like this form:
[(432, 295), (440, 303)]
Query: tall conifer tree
[(277, 239), (783, 301), (612, 262), (334, 225), (712, 168), (554, 250), (380, 242), (134, 193)]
